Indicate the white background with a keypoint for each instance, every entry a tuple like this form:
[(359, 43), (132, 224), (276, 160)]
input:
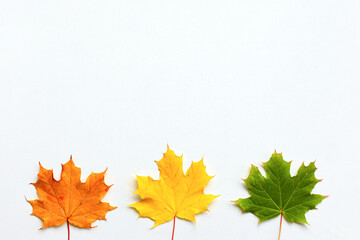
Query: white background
[(114, 82)]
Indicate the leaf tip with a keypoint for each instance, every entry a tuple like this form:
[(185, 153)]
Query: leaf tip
[(41, 166)]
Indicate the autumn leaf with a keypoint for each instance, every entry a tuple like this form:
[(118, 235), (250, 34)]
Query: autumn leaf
[(70, 200), (175, 194), (280, 193)]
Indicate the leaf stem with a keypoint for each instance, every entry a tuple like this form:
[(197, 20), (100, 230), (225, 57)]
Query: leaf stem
[(173, 232), (68, 227), (281, 217)]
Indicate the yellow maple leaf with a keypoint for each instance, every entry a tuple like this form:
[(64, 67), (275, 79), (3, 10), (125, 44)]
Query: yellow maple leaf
[(70, 200), (175, 194)]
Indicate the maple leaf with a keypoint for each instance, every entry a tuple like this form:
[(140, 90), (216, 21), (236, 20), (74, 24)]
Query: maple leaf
[(175, 194), (279, 193), (70, 200)]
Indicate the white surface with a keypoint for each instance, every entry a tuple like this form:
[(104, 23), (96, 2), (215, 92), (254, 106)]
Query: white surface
[(113, 82)]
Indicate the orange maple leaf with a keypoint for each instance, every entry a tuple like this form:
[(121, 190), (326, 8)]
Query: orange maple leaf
[(70, 200)]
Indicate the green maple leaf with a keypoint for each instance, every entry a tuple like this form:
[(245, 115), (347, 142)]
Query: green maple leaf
[(280, 193)]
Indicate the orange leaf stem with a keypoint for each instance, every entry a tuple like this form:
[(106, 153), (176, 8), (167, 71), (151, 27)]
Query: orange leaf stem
[(68, 227)]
